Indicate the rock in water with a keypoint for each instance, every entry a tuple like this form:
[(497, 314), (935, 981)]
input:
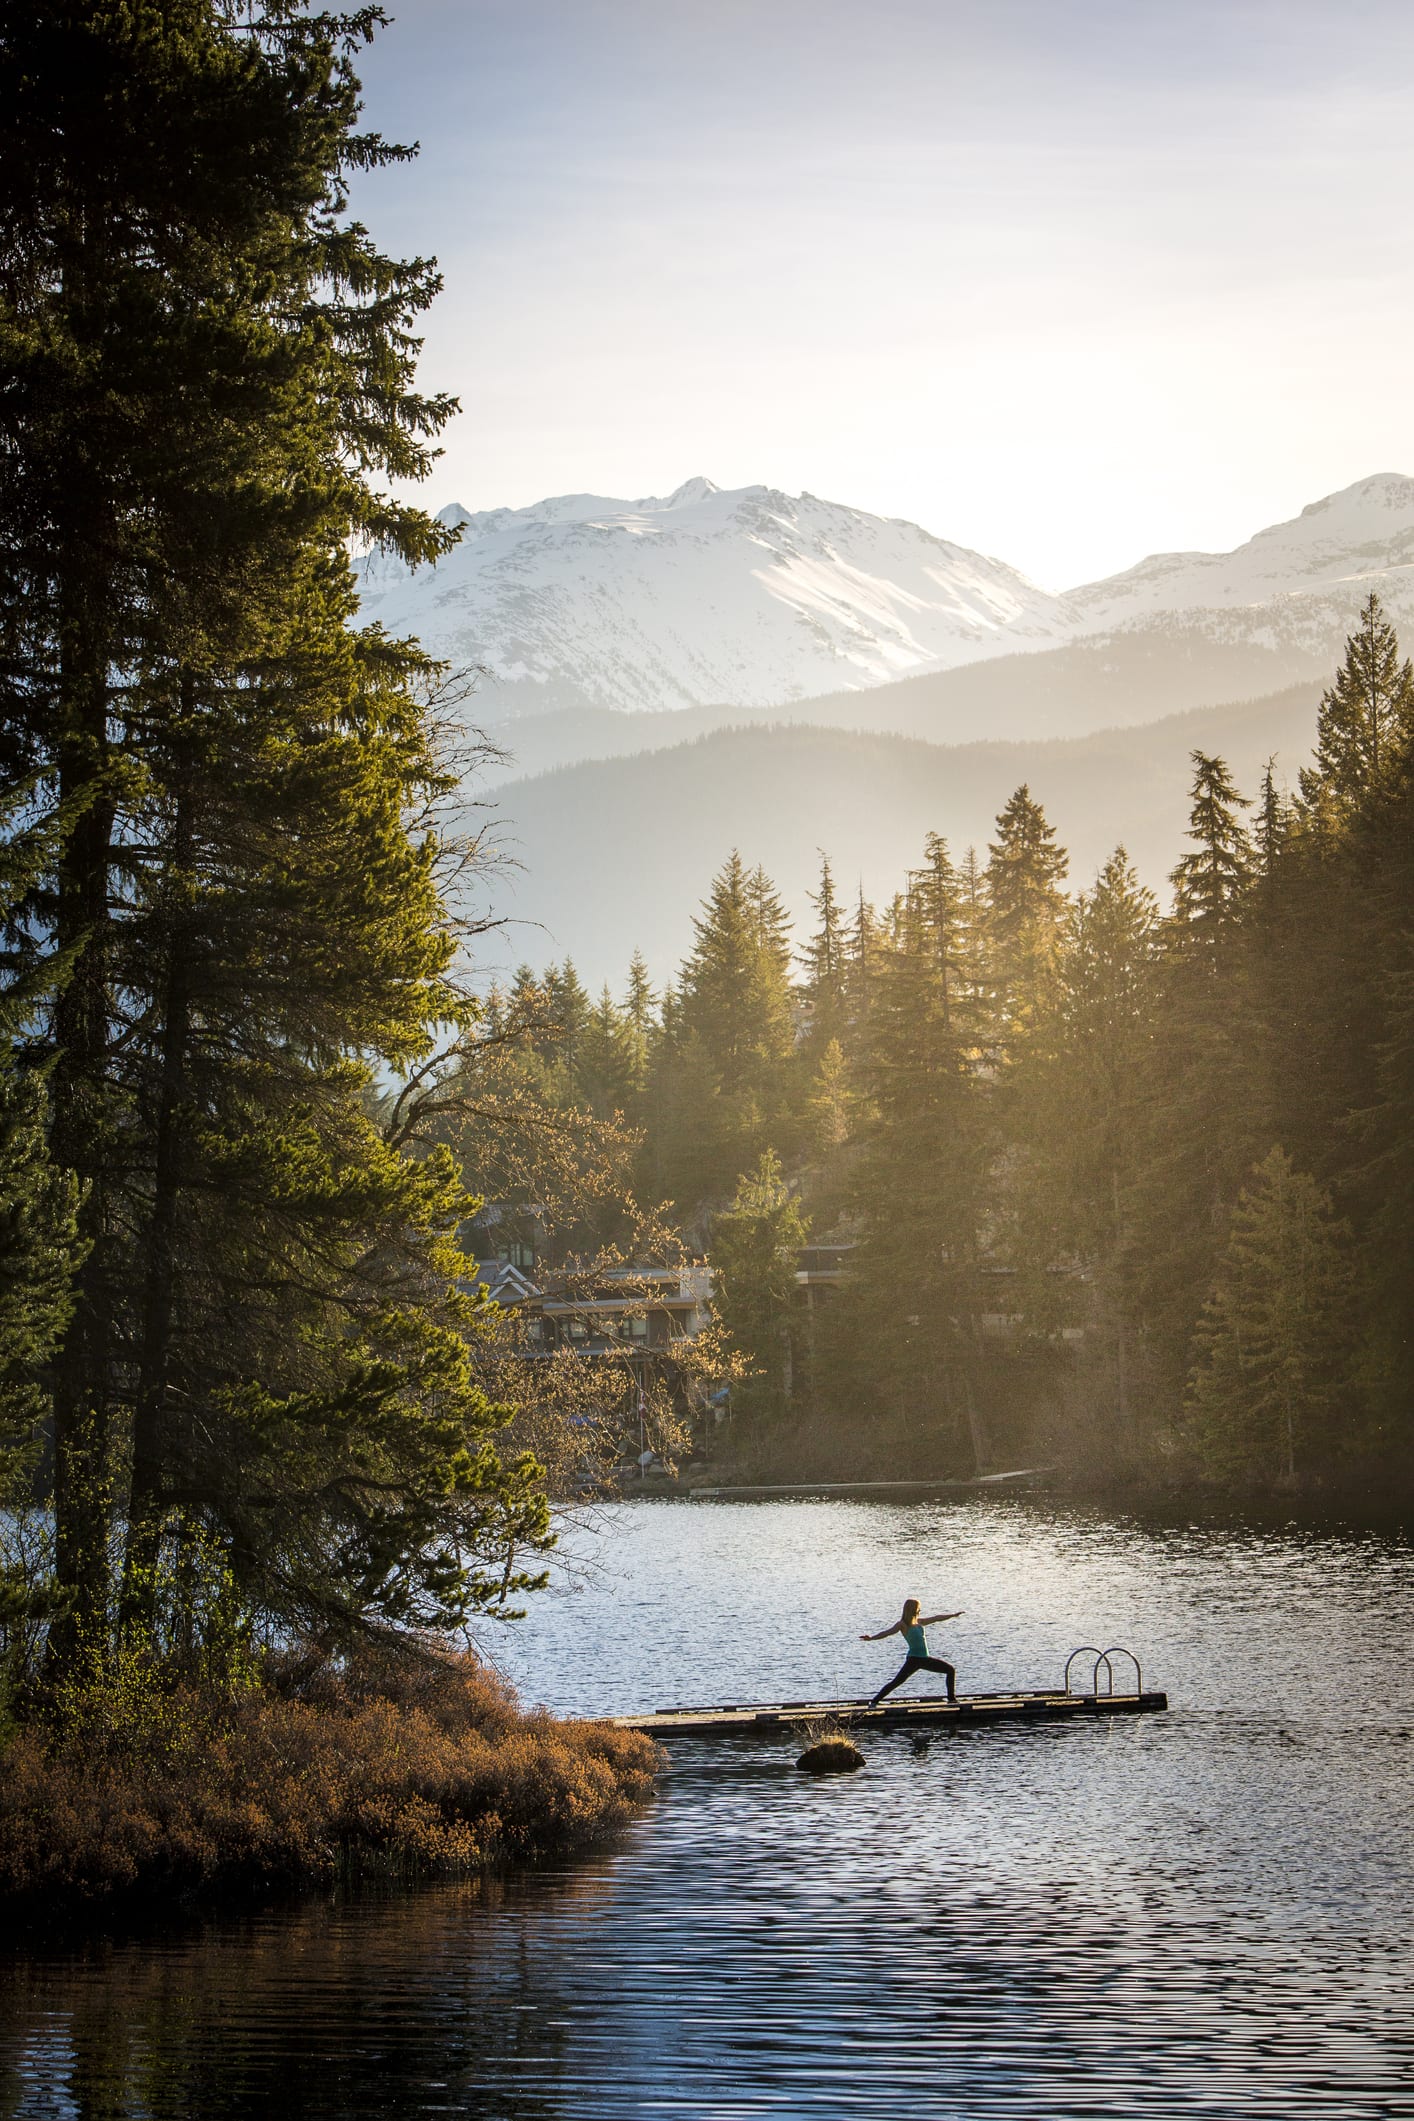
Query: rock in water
[(832, 1756)]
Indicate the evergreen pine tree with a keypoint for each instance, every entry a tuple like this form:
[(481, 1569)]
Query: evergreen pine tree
[(39, 1242), (736, 1019), (38, 1249), (938, 906), (1270, 1384), (609, 1072), (1108, 1028), (1300, 939), (300, 1337), (770, 921), (1210, 882), (39, 1252), (1365, 911), (528, 998), (1365, 724), (1089, 1119), (1203, 1100), (861, 967), (826, 963), (914, 1303), (692, 1130), (828, 1101), (1276, 821), (642, 1030), (753, 1255), (725, 1000), (1025, 873), (211, 368), (640, 1001), (568, 1010), (977, 978)]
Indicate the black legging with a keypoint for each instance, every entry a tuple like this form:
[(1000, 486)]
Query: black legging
[(912, 1664)]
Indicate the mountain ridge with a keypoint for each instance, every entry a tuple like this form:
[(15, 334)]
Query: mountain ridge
[(752, 597), (719, 603), (1283, 561)]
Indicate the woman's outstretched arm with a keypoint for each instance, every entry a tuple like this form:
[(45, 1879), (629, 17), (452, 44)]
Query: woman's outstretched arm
[(934, 1618), (884, 1633)]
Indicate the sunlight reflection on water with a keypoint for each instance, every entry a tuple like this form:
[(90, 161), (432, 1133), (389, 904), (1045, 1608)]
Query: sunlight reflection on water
[(1202, 1913)]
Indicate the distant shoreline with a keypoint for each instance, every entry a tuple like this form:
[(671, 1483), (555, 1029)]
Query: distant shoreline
[(1379, 1498)]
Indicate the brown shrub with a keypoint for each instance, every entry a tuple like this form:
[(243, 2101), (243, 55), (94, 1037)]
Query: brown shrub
[(832, 1756), (418, 1767)]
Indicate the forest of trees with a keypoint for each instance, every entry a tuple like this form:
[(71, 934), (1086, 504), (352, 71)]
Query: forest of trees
[(1123, 1185), (237, 1354)]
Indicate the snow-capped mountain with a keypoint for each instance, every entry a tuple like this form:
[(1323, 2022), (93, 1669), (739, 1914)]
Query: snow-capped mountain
[(755, 599), (1335, 550), (752, 598), (1298, 580)]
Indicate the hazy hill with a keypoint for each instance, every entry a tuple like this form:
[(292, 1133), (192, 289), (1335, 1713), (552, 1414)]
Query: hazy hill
[(1110, 683), (617, 852)]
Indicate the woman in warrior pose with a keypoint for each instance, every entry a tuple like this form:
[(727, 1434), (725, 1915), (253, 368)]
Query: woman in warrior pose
[(915, 1642)]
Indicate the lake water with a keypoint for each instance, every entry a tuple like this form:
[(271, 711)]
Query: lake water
[(1202, 1913)]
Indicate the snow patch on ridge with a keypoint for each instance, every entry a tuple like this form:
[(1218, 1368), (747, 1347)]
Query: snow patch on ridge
[(747, 598), (752, 597), (1365, 530)]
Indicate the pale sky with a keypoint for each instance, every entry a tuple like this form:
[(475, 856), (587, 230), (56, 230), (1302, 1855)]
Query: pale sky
[(1069, 281)]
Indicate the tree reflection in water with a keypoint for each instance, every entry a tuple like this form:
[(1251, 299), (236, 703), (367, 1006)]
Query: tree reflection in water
[(357, 2003)]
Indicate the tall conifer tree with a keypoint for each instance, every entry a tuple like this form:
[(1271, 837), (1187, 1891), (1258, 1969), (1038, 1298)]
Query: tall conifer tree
[(915, 1302), (736, 1030), (640, 1000), (754, 1246), (608, 1074), (1202, 1101), (826, 962), (1210, 881), (1271, 1375), (1088, 1121), (1365, 724), (213, 367), (1026, 869)]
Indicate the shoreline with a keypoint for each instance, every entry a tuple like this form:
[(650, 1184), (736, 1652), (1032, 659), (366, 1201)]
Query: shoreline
[(1378, 1498), (431, 1770)]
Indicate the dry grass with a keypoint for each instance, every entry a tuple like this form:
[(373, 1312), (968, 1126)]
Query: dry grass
[(424, 1768), (827, 1729)]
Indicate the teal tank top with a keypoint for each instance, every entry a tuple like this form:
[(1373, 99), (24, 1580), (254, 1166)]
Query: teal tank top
[(916, 1640)]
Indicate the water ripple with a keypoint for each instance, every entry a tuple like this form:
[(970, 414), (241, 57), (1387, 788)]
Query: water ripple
[(1203, 1914)]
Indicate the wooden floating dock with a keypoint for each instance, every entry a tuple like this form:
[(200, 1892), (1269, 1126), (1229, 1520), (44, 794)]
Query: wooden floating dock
[(762, 1719)]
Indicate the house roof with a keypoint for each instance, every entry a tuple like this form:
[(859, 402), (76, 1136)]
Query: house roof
[(503, 1282)]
